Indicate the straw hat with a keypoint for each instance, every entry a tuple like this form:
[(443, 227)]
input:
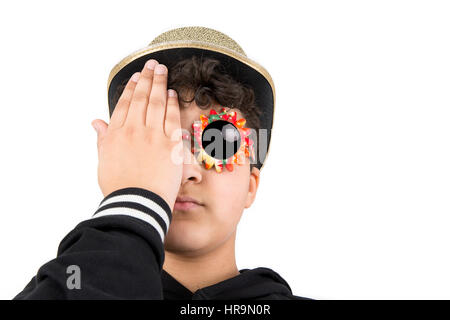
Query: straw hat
[(181, 43)]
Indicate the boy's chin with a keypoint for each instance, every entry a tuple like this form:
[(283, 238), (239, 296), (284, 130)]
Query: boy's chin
[(184, 240)]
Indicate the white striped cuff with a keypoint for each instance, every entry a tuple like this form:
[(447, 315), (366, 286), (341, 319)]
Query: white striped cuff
[(137, 203)]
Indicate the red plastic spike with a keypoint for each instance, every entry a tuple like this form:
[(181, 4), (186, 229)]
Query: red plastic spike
[(246, 131), (233, 116)]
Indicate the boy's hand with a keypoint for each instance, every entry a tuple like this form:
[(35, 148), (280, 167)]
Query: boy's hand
[(136, 148)]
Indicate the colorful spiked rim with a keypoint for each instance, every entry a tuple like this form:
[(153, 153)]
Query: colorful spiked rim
[(245, 150)]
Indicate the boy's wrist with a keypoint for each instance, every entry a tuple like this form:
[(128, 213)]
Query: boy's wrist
[(139, 203)]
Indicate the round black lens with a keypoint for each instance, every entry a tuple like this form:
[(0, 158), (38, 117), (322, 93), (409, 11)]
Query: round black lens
[(221, 139)]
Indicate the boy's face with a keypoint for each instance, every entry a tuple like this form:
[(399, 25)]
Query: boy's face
[(223, 196)]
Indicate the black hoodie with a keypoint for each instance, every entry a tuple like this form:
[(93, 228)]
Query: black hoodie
[(255, 284), (119, 254)]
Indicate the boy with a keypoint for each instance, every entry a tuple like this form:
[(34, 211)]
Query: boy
[(166, 227)]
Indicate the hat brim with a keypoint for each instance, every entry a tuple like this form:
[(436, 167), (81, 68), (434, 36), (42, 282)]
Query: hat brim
[(239, 66)]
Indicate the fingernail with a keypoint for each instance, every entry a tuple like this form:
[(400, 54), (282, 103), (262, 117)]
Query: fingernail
[(172, 93), (135, 77), (151, 64), (160, 69)]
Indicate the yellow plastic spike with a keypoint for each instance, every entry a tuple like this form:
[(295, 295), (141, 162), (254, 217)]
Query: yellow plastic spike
[(204, 120), (240, 123), (200, 155), (219, 166), (209, 161)]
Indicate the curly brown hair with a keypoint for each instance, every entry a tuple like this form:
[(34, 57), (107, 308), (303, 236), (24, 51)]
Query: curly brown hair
[(205, 80)]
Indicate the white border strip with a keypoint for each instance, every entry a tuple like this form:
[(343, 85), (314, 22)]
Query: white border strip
[(141, 200), (133, 213)]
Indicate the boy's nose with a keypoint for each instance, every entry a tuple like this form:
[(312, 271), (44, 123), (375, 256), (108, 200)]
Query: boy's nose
[(192, 170)]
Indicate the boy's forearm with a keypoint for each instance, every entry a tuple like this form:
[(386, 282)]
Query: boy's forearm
[(118, 253)]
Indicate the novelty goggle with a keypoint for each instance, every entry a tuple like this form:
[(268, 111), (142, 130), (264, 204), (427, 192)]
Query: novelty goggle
[(221, 140)]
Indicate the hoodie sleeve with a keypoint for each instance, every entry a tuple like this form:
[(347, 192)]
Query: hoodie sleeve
[(116, 254)]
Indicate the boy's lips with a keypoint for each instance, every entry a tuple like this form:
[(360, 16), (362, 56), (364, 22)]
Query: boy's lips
[(186, 203), (188, 199)]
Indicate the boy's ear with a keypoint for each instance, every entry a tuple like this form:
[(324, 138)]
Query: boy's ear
[(252, 186)]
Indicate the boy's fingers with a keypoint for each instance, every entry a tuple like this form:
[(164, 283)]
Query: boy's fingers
[(138, 106), (172, 121), (120, 111), (158, 99), (100, 127)]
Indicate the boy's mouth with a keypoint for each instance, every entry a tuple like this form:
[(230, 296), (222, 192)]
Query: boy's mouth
[(186, 203), (185, 206)]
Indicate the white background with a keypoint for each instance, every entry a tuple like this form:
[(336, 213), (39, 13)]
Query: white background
[(354, 197)]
